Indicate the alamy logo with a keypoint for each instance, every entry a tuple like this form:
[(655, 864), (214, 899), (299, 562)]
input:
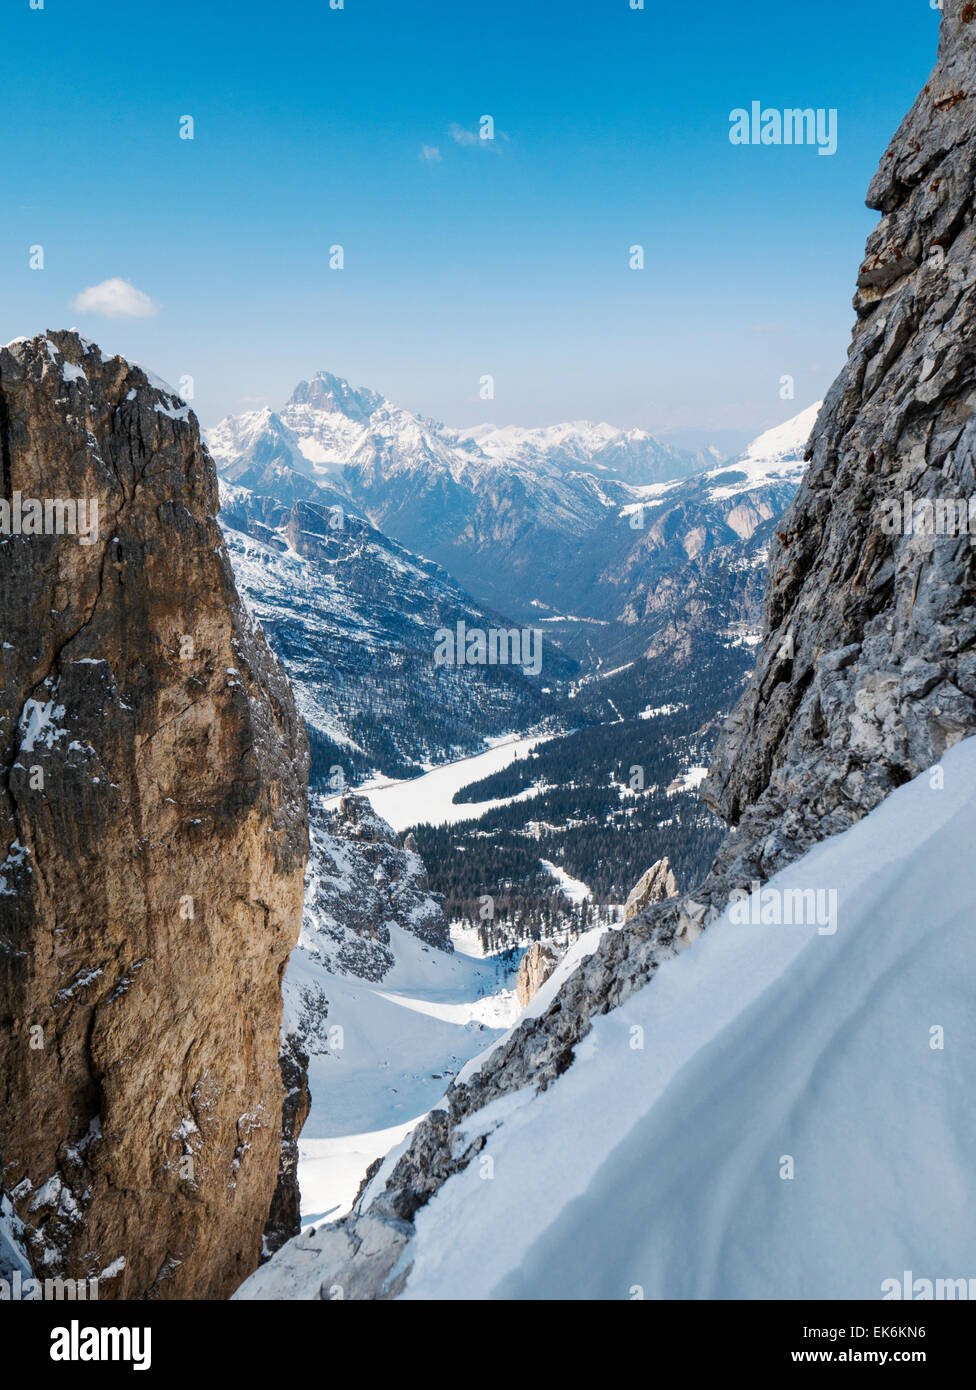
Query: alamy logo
[(785, 907), (77, 1343), (921, 1290), (928, 516), (498, 646), (50, 516), (17, 1289), (792, 126)]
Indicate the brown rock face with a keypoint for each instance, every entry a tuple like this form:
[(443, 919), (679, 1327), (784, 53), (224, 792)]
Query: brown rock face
[(152, 844), (535, 967)]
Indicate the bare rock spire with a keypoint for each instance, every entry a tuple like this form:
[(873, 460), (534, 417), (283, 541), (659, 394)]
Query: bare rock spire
[(152, 842)]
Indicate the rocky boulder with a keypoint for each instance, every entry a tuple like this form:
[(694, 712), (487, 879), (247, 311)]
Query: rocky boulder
[(655, 886), (535, 967)]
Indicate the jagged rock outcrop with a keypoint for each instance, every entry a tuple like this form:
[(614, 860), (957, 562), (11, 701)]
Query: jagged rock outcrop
[(655, 886), (535, 967), (284, 1219), (866, 674), (362, 881), (152, 819)]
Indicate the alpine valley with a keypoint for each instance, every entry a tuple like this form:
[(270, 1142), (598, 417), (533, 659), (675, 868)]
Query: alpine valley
[(639, 567)]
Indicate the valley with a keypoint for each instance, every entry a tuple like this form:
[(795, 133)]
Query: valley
[(455, 849), (640, 566)]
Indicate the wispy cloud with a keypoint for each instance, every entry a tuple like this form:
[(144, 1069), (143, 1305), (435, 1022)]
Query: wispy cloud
[(116, 299), (485, 137), (430, 154), (460, 136)]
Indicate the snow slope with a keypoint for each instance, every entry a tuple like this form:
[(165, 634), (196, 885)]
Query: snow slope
[(401, 1042), (374, 993), (403, 1038), (574, 889), (655, 1170)]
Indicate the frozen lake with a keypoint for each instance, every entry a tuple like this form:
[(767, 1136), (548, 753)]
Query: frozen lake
[(428, 798)]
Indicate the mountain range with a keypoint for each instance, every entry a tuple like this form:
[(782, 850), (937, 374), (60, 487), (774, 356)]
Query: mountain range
[(577, 525), (496, 507)]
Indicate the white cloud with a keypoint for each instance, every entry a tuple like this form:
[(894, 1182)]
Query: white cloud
[(460, 136), (116, 299), (430, 154)]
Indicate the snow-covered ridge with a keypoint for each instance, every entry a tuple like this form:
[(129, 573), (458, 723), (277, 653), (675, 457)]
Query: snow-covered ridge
[(774, 458), (776, 455)]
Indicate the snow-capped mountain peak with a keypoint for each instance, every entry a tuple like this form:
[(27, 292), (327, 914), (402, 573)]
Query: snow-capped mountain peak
[(334, 394), (333, 424)]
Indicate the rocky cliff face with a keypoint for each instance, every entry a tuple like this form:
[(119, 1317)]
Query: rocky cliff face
[(866, 674), (152, 819)]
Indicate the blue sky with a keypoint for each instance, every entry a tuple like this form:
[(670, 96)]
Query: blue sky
[(506, 258)]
